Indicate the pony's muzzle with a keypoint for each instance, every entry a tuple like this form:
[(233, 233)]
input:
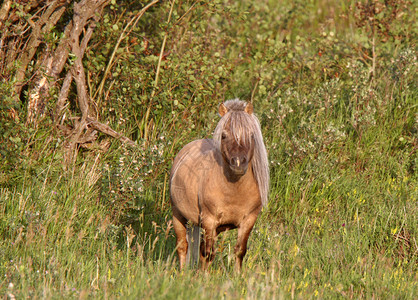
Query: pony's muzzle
[(237, 161), (238, 164)]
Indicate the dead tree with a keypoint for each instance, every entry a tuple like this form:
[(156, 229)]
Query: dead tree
[(37, 66)]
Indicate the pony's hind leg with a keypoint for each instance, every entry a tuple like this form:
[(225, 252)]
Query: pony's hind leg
[(179, 225)]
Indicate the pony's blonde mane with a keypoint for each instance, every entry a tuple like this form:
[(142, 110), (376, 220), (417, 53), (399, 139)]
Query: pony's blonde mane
[(246, 127)]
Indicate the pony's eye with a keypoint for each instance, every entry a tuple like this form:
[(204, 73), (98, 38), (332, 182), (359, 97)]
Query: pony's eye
[(223, 136)]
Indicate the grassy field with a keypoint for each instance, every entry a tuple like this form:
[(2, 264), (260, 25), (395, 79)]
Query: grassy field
[(334, 85)]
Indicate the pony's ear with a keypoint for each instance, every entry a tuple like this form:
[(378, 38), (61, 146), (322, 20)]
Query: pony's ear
[(249, 108), (222, 110)]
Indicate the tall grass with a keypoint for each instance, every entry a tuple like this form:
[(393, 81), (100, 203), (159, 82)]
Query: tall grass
[(341, 137)]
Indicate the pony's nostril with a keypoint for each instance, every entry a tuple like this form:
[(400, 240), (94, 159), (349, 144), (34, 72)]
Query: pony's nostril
[(235, 161)]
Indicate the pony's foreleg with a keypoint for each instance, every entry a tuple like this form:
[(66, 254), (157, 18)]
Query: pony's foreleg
[(244, 230), (207, 247), (179, 225)]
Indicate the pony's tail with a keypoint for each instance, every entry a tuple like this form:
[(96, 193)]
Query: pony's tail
[(193, 239)]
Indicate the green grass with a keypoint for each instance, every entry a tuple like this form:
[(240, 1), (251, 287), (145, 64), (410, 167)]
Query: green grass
[(342, 215), (331, 239)]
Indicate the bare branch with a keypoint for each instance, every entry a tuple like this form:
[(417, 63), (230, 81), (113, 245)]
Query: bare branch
[(109, 131), (4, 11), (83, 11), (43, 25), (63, 96)]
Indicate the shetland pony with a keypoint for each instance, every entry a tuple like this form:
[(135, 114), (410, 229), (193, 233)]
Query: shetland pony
[(219, 184)]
